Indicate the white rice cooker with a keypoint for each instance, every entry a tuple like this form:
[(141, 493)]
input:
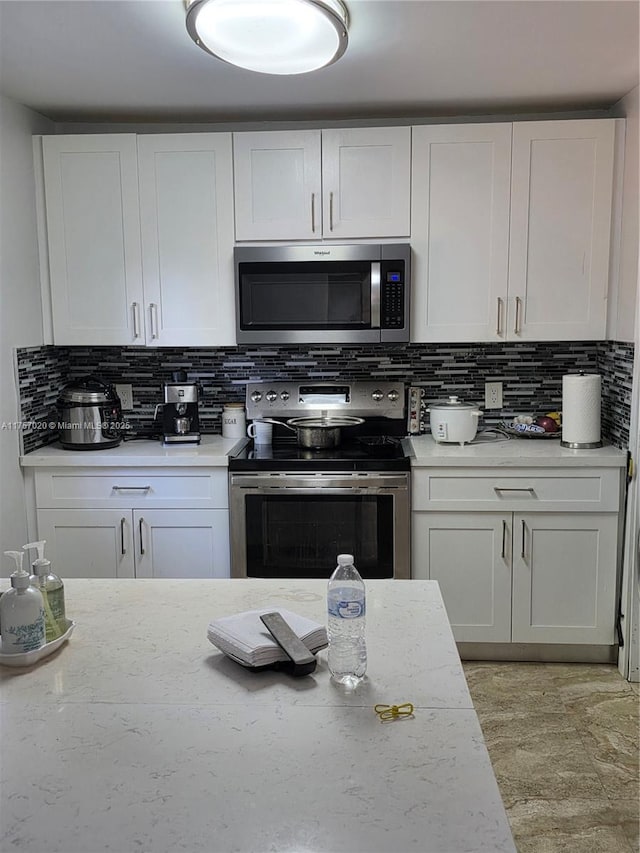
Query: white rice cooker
[(453, 421)]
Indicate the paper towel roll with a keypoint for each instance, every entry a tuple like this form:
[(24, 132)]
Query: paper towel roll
[(581, 410)]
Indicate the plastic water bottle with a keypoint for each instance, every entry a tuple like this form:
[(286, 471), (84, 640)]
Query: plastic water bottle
[(346, 605)]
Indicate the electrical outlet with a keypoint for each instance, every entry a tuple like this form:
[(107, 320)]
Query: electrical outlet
[(493, 395), (125, 392)]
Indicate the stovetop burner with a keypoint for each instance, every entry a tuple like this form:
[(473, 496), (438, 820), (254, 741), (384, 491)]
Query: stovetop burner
[(367, 453)]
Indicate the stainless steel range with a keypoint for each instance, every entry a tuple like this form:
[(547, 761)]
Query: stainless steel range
[(293, 509)]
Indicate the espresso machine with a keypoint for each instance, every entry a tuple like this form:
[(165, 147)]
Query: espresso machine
[(180, 423)]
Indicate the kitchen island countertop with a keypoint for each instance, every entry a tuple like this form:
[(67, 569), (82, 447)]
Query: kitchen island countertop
[(138, 734), (510, 452), (213, 451)]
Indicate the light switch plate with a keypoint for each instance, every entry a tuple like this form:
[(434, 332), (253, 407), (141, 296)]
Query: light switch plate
[(493, 395), (125, 392)]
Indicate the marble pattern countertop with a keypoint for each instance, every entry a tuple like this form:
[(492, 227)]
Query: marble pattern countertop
[(510, 452), (138, 734), (212, 451)]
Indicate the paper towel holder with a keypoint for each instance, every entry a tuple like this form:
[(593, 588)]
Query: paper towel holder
[(581, 445)]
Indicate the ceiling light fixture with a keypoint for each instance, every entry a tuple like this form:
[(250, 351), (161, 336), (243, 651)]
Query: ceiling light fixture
[(270, 36)]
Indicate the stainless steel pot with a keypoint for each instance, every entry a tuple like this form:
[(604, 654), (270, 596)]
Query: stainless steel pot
[(320, 432), (90, 415)]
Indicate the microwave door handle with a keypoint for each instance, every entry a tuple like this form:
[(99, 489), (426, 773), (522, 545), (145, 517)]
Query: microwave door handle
[(375, 295)]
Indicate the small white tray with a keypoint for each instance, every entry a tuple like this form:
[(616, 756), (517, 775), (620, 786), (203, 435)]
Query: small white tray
[(29, 658)]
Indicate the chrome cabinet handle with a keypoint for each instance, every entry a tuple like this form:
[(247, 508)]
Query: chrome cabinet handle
[(504, 538), (131, 488), (529, 489), (122, 548), (518, 324), (153, 316), (522, 552), (330, 211), (140, 530), (136, 319), (313, 213), (499, 316)]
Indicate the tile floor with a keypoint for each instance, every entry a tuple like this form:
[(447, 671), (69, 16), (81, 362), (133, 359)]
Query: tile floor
[(563, 741)]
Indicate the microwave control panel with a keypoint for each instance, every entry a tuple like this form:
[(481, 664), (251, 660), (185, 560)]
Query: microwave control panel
[(392, 296)]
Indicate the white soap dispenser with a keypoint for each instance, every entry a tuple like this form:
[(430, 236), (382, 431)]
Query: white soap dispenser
[(52, 590), (21, 613)]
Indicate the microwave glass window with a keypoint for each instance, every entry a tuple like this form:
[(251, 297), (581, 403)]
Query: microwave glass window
[(305, 296)]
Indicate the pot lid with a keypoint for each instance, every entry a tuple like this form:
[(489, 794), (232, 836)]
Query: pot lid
[(89, 390), (321, 422), (452, 403)]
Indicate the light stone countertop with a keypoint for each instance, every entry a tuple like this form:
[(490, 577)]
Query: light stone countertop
[(138, 734), (213, 451), (510, 452)]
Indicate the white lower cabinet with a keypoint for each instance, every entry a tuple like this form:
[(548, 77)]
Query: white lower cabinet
[(160, 543), (512, 576), (145, 523)]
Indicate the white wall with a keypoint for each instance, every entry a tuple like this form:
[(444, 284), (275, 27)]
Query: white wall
[(624, 322), (20, 304)]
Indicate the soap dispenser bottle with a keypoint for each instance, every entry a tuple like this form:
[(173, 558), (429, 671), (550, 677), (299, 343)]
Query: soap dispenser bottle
[(52, 590), (21, 613)]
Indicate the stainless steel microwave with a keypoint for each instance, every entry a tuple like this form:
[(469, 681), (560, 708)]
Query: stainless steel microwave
[(322, 293)]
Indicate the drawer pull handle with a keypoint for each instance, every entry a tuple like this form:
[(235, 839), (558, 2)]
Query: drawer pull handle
[(518, 324), (504, 538), (136, 319), (313, 213), (524, 528), (141, 545), (122, 548), (499, 317), (131, 488), (330, 211), (529, 489), (153, 316)]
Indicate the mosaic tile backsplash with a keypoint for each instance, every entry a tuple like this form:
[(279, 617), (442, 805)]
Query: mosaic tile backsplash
[(531, 375)]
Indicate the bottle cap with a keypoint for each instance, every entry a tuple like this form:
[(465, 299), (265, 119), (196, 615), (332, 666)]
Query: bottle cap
[(40, 565), (345, 559), (19, 579)]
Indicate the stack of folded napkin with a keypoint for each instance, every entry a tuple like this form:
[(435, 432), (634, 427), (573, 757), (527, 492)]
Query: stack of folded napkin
[(248, 641)]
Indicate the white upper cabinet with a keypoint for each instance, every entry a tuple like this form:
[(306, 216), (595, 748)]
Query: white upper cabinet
[(561, 198), (186, 216), (93, 228), (277, 185), (460, 231), (316, 184), (511, 230), (140, 239)]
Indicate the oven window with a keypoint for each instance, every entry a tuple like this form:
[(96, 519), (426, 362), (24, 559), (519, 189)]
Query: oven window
[(311, 295), (301, 536)]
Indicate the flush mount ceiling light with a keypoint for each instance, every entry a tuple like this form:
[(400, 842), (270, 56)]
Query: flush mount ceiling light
[(270, 36)]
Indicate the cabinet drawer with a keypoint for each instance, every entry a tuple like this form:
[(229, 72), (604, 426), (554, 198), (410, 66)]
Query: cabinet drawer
[(555, 490), (196, 488)]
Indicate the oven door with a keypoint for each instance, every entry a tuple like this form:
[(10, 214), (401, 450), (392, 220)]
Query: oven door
[(294, 525)]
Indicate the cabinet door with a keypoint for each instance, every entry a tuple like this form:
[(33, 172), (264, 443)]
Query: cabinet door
[(182, 543), (460, 190), (560, 229), (564, 577), (91, 196), (366, 182), (469, 554), (186, 208), (277, 185), (88, 543)]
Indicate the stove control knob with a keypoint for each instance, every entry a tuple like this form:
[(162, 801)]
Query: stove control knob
[(271, 396), (393, 396), (284, 396), (256, 396), (377, 396)]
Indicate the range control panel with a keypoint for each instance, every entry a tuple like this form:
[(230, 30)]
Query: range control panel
[(299, 399)]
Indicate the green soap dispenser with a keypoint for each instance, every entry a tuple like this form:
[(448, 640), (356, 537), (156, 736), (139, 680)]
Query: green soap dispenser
[(52, 589)]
